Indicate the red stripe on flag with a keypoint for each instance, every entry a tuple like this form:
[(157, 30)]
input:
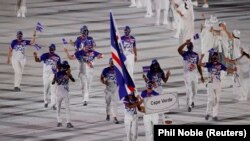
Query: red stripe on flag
[(132, 89), (116, 59)]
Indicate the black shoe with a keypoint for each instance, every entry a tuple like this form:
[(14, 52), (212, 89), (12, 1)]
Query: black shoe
[(192, 104), (69, 125), (46, 105), (16, 89), (215, 118), (206, 117), (108, 118), (59, 124), (85, 103), (189, 109), (54, 107), (116, 121)]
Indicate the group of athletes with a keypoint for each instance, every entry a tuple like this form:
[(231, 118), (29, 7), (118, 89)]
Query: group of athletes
[(221, 50)]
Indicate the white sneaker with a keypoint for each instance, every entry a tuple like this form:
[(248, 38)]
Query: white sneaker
[(148, 15), (176, 36), (23, 15), (205, 6), (132, 5), (18, 14), (195, 3)]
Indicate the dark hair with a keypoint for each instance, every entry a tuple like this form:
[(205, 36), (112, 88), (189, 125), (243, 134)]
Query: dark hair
[(153, 70)]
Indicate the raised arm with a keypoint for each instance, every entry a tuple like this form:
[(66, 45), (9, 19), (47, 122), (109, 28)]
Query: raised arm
[(181, 47), (71, 57), (165, 79)]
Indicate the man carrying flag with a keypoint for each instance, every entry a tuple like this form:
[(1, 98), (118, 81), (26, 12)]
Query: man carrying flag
[(126, 85)]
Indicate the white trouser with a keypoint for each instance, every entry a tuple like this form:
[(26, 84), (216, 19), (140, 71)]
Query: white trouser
[(149, 7), (162, 4), (177, 21), (86, 80), (61, 95), (149, 122), (241, 87), (213, 91), (131, 126), (130, 62), (21, 9), (191, 81), (49, 88), (111, 97), (186, 34), (18, 66)]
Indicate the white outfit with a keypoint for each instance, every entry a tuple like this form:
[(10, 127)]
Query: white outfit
[(187, 21), (86, 76), (49, 88), (18, 66), (111, 97), (129, 43), (177, 17), (149, 122), (149, 8), (18, 59), (130, 63), (162, 5), (207, 40), (240, 83), (130, 121), (62, 94), (214, 92), (21, 8), (49, 64), (191, 83)]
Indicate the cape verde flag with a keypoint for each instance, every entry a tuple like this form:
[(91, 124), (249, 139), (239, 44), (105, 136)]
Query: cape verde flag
[(124, 81)]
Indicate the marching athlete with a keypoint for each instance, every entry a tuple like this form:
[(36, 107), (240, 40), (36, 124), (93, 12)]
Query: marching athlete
[(131, 120), (190, 61), (17, 54), (151, 119), (214, 85), (130, 50), (82, 39), (108, 78), (50, 63), (85, 59), (186, 12), (61, 79), (156, 75)]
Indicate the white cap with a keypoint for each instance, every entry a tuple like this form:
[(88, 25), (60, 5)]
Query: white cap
[(236, 33)]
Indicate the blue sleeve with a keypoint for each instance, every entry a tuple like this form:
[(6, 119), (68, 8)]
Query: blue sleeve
[(44, 57), (27, 42), (13, 43), (223, 67), (143, 94), (78, 42), (149, 76), (104, 72), (155, 93), (184, 54), (96, 53), (208, 65)]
